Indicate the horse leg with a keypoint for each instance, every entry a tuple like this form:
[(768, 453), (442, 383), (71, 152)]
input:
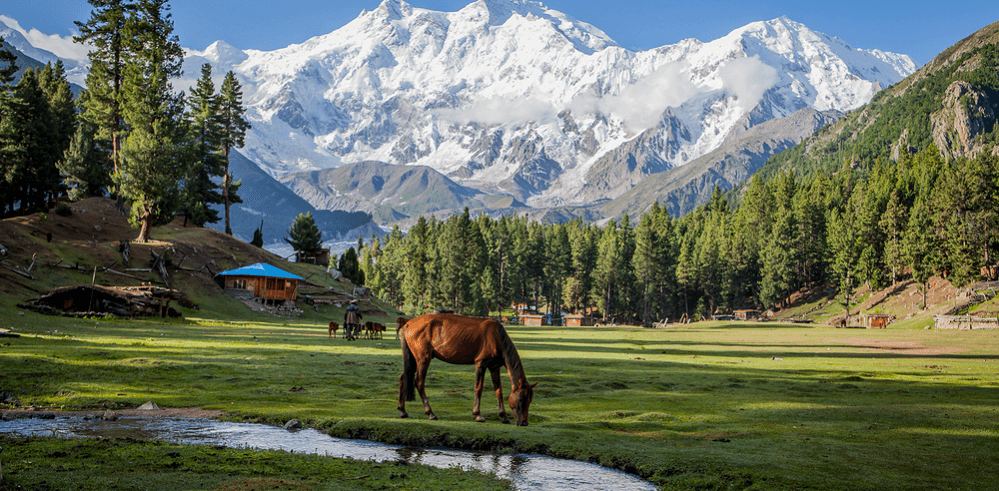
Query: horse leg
[(495, 372), (402, 395), (480, 376), (421, 378)]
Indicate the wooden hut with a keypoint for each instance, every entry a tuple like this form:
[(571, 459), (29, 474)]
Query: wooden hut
[(533, 320), (261, 282), (576, 320), (746, 314)]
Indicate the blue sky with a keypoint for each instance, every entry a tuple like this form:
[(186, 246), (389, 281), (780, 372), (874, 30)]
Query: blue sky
[(920, 29)]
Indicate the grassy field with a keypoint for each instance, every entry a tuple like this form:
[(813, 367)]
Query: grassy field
[(706, 405), (702, 406)]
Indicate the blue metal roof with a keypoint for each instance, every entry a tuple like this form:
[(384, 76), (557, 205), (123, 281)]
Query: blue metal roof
[(260, 269)]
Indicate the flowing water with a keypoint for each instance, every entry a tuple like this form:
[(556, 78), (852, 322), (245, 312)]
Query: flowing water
[(528, 472)]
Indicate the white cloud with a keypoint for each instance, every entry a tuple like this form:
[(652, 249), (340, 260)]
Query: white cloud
[(500, 110), (747, 79), (61, 46), (641, 104)]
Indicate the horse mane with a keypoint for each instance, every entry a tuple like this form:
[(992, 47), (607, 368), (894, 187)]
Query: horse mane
[(514, 366)]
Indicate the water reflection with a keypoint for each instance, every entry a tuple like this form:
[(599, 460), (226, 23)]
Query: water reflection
[(528, 472)]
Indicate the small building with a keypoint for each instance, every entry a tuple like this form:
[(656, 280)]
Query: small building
[(576, 320), (321, 257), (533, 320), (261, 282), (746, 314)]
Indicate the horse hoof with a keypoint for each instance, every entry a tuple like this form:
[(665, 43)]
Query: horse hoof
[(433, 417), (480, 419), (506, 421), (404, 415)]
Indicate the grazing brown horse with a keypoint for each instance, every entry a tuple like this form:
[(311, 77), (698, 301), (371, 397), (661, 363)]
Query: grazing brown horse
[(464, 341), (333, 327), (377, 328), (399, 323)]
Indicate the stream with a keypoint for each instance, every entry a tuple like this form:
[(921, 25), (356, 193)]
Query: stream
[(528, 472)]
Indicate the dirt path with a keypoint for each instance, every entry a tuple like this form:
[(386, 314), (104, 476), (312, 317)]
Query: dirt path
[(914, 348)]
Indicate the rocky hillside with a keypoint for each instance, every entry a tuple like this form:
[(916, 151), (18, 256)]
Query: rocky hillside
[(951, 103), (684, 188)]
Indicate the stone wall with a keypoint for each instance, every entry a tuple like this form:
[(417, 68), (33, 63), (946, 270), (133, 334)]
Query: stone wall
[(964, 322)]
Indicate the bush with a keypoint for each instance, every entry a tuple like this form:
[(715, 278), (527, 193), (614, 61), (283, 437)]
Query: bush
[(63, 210)]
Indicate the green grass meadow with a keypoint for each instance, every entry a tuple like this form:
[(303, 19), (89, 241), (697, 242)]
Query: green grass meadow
[(703, 406)]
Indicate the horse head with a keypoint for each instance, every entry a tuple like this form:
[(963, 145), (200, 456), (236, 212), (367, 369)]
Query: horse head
[(520, 401)]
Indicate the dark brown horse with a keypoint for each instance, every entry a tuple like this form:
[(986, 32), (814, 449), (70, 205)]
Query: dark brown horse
[(377, 329), (333, 327), (464, 341)]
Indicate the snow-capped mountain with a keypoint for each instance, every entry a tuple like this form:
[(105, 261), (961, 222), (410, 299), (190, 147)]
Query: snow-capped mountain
[(73, 56), (511, 97)]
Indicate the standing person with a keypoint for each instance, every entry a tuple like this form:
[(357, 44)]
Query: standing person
[(352, 320)]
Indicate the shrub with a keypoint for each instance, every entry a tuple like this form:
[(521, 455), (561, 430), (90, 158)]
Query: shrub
[(63, 210)]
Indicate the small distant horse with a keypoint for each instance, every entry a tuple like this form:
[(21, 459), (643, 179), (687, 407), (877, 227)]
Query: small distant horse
[(333, 327), (377, 328), (463, 341), (399, 324), (368, 326)]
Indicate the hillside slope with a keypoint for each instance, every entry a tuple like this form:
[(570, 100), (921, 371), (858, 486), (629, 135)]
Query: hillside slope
[(951, 103), (84, 249)]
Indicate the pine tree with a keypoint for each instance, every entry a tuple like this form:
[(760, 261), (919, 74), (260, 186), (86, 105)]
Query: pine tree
[(152, 158), (258, 236), (606, 273), (777, 268), (233, 135), (113, 48), (305, 237), (557, 267), (893, 223), (845, 243), (919, 244), (30, 146), (205, 161), (350, 267), (416, 257), (583, 244), (85, 168), (646, 261), (7, 72)]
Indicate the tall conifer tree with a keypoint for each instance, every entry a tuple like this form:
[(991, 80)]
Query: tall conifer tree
[(112, 50), (233, 135), (152, 158), (205, 163)]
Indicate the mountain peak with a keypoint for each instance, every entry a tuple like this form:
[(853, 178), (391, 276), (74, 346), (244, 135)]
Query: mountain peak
[(395, 9)]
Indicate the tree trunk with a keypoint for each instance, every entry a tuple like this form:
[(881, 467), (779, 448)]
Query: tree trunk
[(226, 179), (146, 230)]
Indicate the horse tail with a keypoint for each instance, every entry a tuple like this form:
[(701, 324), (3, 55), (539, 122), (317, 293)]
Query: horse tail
[(408, 371)]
